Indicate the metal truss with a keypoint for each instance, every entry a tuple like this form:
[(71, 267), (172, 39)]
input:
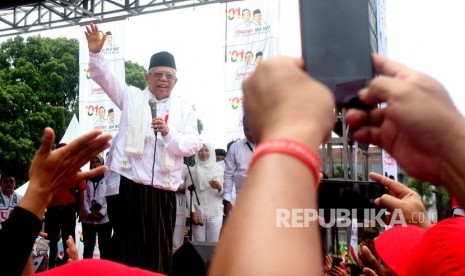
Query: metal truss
[(19, 17)]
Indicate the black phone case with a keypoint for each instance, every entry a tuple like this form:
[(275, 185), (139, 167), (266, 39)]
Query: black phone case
[(338, 38)]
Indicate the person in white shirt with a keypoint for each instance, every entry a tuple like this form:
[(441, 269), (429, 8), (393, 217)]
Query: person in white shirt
[(96, 220), (245, 27), (245, 70), (258, 58), (220, 156), (181, 211), (112, 181), (148, 154), (207, 177), (8, 197), (257, 18), (101, 122), (112, 122), (237, 161)]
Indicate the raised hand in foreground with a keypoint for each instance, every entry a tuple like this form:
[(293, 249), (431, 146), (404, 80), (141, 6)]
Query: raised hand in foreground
[(51, 171)]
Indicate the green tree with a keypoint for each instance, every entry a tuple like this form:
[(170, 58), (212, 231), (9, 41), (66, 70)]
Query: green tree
[(426, 190), (199, 123), (338, 172), (135, 74), (443, 200), (39, 80), (39, 87)]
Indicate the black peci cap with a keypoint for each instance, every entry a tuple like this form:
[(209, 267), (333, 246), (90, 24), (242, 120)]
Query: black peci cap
[(162, 59)]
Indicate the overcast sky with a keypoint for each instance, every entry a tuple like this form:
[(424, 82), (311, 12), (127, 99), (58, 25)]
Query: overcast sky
[(427, 35)]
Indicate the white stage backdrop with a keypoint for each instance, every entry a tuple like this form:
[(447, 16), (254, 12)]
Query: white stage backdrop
[(252, 34)]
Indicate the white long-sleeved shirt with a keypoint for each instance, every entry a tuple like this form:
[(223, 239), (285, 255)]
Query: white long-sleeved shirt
[(210, 199), (236, 164), (7, 204), (112, 179), (95, 191), (182, 140), (181, 201)]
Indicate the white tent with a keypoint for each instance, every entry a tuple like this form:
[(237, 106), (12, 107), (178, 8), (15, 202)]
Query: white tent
[(22, 190), (72, 131)]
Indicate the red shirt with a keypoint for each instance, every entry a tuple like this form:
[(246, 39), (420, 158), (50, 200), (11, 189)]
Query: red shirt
[(65, 197)]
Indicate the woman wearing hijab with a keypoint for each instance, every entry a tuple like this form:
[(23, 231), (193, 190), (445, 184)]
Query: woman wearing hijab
[(207, 177)]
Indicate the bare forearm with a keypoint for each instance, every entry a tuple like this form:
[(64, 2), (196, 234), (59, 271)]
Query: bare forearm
[(36, 200), (451, 172), (269, 188)]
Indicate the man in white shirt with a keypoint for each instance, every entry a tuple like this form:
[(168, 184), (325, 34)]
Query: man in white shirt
[(114, 209), (8, 197), (245, 27), (244, 71), (257, 18), (148, 154), (181, 212), (220, 156), (101, 122), (236, 164)]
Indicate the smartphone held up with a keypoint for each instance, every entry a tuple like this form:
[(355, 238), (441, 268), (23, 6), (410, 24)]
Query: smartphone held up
[(338, 38)]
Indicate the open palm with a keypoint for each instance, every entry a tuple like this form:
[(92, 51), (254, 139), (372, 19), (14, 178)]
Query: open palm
[(95, 38)]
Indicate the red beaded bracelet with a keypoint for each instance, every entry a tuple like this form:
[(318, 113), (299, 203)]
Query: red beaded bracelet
[(292, 148)]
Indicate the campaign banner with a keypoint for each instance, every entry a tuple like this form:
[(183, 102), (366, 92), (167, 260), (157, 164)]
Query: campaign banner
[(353, 245), (252, 32), (96, 110)]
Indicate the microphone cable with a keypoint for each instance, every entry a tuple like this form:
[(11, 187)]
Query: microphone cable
[(153, 110), (154, 155)]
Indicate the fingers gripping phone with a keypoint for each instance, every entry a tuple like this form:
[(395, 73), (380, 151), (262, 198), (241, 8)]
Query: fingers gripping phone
[(338, 37), (349, 195)]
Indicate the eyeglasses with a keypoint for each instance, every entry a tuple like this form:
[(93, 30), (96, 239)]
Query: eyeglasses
[(8, 181), (160, 75)]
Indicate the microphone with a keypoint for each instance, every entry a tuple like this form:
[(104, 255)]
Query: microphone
[(153, 107)]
